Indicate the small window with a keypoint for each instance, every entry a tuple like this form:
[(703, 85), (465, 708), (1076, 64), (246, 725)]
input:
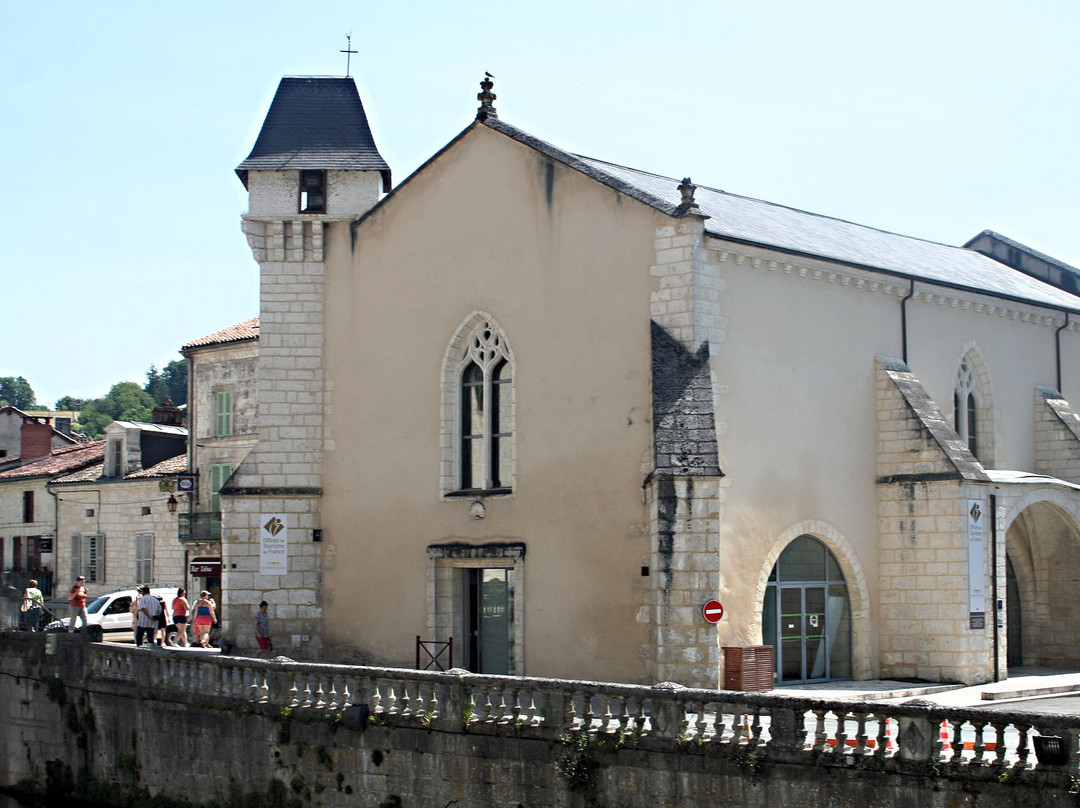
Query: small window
[(223, 414), (312, 191), (144, 557), (89, 511), (114, 467), (145, 510), (28, 506)]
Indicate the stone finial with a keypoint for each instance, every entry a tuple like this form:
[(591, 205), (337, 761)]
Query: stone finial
[(486, 99), (687, 188)]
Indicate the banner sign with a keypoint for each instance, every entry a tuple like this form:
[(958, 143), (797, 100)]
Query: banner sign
[(976, 541), (273, 544)]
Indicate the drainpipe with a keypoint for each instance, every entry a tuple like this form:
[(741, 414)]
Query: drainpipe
[(994, 585), (903, 319), (1057, 347)]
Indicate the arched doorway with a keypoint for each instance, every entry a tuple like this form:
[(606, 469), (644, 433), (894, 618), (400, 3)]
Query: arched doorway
[(807, 614), (1014, 608), (1042, 572)]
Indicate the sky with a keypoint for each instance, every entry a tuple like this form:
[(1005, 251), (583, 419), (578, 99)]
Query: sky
[(123, 123)]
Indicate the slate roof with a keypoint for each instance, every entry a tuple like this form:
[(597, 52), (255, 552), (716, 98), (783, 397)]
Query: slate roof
[(752, 221), (1067, 268), (315, 122), (164, 429), (249, 329), (61, 461)]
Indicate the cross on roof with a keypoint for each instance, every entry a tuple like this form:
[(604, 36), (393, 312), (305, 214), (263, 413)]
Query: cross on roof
[(348, 53)]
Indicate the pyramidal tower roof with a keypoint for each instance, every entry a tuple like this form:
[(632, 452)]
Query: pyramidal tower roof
[(315, 122)]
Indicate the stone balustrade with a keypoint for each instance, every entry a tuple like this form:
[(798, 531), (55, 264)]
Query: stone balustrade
[(916, 737)]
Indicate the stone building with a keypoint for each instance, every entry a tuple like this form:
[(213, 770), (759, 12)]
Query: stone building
[(550, 406), (28, 514), (222, 419), (115, 520)]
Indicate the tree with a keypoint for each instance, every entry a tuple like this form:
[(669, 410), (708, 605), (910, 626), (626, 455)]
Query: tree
[(126, 401), (17, 392), (156, 385), (175, 375), (70, 403)]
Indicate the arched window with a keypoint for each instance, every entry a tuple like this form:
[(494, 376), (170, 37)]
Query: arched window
[(966, 406), (484, 403)]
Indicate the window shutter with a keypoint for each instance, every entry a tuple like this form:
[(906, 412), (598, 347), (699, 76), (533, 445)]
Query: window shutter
[(223, 413), (76, 556)]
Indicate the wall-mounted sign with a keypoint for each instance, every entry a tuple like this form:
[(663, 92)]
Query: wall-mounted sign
[(712, 611), (273, 544), (205, 567), (185, 483), (976, 541)]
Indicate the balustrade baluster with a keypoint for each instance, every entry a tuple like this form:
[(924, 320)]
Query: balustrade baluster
[(1023, 746), (820, 740), (998, 757), (320, 702), (979, 747), (589, 715)]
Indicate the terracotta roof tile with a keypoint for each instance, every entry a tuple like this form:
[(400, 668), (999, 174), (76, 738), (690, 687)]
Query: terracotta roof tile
[(61, 461), (249, 329)]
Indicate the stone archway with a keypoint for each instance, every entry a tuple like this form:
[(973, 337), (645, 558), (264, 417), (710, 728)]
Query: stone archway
[(1042, 545)]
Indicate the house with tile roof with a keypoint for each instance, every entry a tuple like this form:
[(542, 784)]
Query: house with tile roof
[(26, 435), (549, 407), (28, 547), (222, 419), (115, 520)]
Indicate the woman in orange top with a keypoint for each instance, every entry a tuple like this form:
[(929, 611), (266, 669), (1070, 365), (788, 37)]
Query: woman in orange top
[(180, 609)]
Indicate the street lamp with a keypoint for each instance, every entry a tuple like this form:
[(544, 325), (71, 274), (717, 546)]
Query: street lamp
[(171, 503)]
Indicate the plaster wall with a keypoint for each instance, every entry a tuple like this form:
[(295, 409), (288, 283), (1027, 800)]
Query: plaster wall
[(500, 230)]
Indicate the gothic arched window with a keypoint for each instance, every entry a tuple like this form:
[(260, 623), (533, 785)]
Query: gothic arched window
[(966, 406), (484, 381)]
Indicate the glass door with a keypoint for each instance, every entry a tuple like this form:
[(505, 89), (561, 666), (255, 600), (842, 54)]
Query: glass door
[(803, 648), (490, 616)]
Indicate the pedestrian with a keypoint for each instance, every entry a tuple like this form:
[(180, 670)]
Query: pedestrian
[(162, 622), (180, 609), (205, 618), (148, 612), (262, 630), (77, 600), (33, 604)]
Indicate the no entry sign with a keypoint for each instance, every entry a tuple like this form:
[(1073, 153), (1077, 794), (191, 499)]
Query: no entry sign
[(712, 611)]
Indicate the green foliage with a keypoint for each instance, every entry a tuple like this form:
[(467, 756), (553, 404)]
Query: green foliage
[(156, 386), (17, 392), (126, 401), (70, 403), (175, 376)]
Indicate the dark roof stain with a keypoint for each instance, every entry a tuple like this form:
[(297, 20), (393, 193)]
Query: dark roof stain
[(315, 123)]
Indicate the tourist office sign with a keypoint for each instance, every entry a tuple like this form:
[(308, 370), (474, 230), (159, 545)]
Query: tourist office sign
[(976, 541), (273, 544)]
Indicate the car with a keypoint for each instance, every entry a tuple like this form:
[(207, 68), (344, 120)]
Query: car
[(112, 611)]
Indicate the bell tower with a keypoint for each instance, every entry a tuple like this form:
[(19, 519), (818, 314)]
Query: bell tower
[(313, 170)]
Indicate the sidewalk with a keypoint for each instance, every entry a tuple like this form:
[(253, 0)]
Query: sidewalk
[(1022, 683)]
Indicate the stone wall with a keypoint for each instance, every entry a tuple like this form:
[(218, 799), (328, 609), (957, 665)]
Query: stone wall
[(99, 723)]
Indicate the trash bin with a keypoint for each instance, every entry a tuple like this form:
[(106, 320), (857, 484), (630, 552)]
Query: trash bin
[(1051, 750)]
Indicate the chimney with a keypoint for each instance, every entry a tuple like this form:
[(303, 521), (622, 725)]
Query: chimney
[(36, 438), (168, 414)]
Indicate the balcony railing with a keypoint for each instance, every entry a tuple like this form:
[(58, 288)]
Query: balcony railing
[(200, 527)]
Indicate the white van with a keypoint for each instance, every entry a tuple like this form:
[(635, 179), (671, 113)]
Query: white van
[(112, 611)]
